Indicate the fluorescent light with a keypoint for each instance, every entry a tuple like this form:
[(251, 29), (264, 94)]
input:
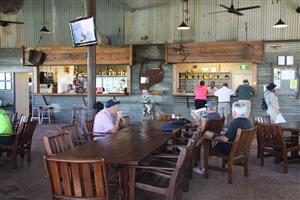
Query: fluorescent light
[(280, 24), (183, 26)]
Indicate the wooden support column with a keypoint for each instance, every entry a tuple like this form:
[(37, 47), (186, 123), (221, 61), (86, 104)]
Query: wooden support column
[(91, 59)]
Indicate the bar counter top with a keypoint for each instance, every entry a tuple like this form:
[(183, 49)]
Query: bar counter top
[(79, 94)]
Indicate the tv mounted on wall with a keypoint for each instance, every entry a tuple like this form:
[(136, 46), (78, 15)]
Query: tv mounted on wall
[(83, 31)]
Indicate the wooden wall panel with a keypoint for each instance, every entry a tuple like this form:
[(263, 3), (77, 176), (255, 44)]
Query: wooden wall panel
[(78, 56), (214, 52)]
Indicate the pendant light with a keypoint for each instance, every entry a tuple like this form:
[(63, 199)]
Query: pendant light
[(280, 23), (183, 26), (44, 29)]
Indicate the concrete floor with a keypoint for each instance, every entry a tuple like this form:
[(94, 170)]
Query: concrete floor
[(268, 182)]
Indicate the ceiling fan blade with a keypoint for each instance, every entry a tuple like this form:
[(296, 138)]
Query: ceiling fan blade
[(210, 13), (224, 6), (238, 13), (247, 8), (11, 22)]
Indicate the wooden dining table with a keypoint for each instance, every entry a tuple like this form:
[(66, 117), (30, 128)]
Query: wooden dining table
[(126, 147)]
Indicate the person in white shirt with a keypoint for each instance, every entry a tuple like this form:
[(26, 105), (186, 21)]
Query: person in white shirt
[(212, 88), (223, 95)]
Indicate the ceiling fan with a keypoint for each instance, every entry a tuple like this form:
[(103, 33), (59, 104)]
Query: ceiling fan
[(234, 10), (6, 23)]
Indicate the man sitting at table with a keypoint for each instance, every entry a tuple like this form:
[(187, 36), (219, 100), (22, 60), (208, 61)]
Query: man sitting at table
[(5, 128), (212, 114), (240, 120), (108, 119)]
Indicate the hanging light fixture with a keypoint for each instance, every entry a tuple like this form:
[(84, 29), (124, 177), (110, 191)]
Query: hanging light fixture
[(280, 23), (44, 29), (183, 26)]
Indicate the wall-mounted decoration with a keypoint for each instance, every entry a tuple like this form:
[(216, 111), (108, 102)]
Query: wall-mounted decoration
[(290, 60), (281, 60), (150, 75)]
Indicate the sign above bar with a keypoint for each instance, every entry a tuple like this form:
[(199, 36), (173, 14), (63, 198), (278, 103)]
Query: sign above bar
[(216, 52), (62, 55)]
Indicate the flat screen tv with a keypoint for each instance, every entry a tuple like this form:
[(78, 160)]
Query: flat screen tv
[(83, 31)]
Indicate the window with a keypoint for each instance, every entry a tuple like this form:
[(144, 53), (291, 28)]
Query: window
[(5, 81)]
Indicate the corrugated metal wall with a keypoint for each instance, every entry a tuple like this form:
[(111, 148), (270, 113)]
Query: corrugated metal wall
[(153, 21), (58, 13), (159, 22)]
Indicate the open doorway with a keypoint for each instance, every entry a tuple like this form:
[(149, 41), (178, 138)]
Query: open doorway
[(23, 84)]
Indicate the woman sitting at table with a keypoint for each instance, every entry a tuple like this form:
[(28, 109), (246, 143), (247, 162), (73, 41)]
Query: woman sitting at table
[(5, 128)]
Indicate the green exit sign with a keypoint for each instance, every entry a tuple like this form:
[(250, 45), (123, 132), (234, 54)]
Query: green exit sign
[(244, 67)]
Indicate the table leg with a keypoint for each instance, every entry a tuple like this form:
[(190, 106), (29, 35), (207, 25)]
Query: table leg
[(123, 179), (295, 141), (131, 171)]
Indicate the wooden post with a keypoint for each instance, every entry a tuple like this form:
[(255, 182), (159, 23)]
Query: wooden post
[(91, 59)]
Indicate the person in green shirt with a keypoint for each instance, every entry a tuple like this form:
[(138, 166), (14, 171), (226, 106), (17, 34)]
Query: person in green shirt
[(5, 128), (245, 92)]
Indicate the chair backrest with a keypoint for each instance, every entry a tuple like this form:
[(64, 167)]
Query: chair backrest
[(242, 142), (125, 121), (89, 124), (270, 135), (178, 174), (26, 133), (262, 119), (59, 143), (77, 179), (215, 125), (13, 117), (74, 132)]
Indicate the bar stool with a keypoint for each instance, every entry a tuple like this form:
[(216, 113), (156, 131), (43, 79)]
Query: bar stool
[(46, 113), (36, 114)]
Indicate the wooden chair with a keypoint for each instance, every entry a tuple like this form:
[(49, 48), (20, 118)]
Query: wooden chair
[(170, 159), (260, 119), (77, 137), (89, 124), (77, 179), (239, 153), (58, 143), (166, 181), (89, 130), (25, 139), (273, 143), (21, 143)]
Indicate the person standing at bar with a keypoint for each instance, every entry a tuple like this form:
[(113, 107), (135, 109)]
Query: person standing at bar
[(212, 87), (223, 95), (200, 95), (245, 92)]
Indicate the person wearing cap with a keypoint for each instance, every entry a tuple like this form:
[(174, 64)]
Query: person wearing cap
[(244, 92), (224, 95), (108, 119), (272, 102), (212, 114)]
